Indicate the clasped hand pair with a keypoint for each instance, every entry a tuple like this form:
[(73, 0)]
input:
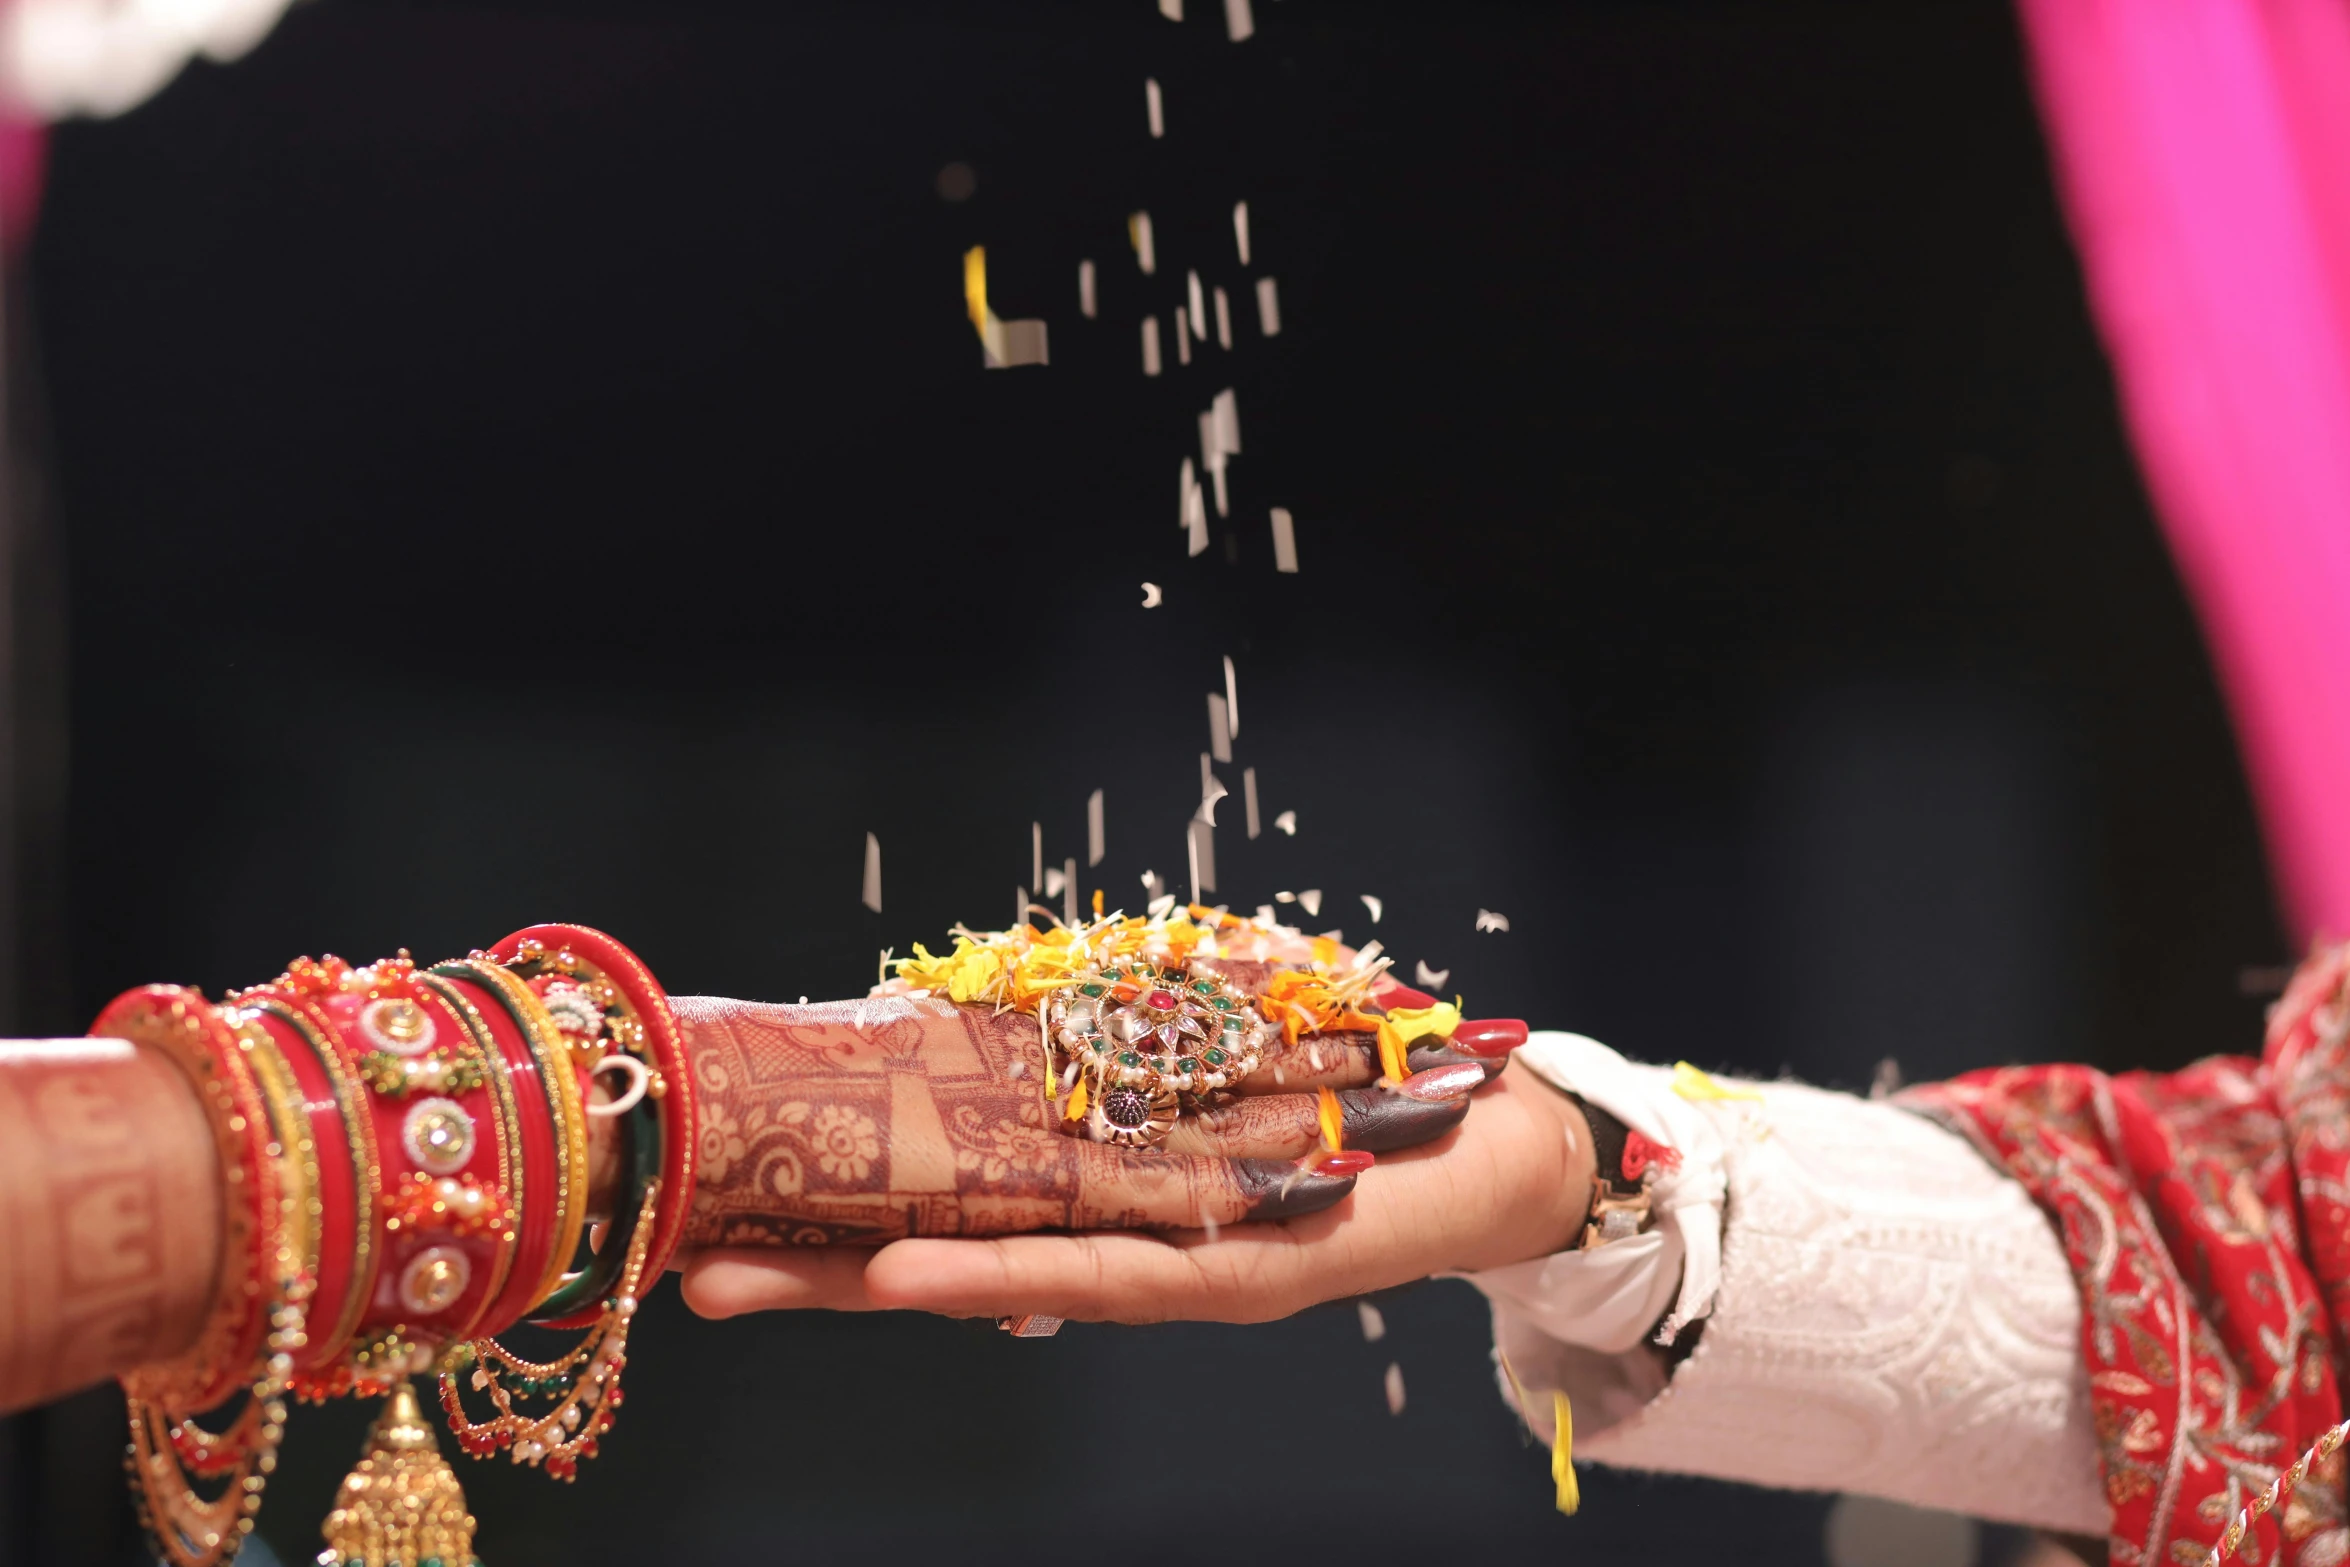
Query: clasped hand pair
[(902, 1153)]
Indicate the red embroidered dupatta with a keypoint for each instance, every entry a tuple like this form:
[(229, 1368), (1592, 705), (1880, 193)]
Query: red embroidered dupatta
[(2207, 1217)]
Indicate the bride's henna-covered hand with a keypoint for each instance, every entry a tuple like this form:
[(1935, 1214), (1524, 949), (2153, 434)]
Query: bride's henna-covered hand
[(870, 1120), (1512, 1182)]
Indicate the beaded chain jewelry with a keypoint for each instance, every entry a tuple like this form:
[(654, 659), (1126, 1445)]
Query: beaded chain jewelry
[(406, 1161), (258, 1321)]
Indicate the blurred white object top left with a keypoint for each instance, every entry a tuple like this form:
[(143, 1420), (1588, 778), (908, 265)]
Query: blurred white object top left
[(62, 58)]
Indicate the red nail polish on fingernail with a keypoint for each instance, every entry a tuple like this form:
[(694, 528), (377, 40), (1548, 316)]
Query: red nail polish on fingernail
[(1347, 1161), (1443, 1084), (1489, 1037), (1390, 995)]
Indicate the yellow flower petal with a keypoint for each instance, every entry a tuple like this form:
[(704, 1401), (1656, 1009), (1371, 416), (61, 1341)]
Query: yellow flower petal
[(1562, 1455), (1690, 1083)]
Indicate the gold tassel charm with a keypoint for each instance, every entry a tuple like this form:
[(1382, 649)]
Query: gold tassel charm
[(401, 1506)]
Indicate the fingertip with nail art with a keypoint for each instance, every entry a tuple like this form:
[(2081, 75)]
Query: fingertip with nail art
[(1277, 1189)]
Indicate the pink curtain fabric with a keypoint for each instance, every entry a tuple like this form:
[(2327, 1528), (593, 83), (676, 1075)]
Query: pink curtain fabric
[(24, 147), (2203, 151)]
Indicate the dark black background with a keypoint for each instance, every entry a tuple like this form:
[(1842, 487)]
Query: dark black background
[(531, 462)]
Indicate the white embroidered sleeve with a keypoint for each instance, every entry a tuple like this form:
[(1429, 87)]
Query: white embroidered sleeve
[(1893, 1316)]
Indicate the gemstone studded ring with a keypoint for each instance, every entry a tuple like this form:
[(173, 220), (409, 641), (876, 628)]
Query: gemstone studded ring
[(1150, 1043)]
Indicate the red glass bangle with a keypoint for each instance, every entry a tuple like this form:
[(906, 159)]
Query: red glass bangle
[(454, 1206), (444, 1169), (543, 1177), (197, 1039), (663, 1043), (346, 1179)]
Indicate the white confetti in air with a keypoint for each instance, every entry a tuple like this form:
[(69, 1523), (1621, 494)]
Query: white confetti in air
[(1200, 844), (1287, 822), (1172, 10), (1248, 793), (1376, 907), (1207, 805), (1015, 343), (1199, 304), (1433, 978), (1268, 307), (1285, 897), (1182, 337), (1085, 301), (1155, 105), (1036, 856), (1219, 727), (1053, 881), (1151, 597), (1310, 900), (1266, 916), (1394, 1388), (1231, 699), (1068, 875), (1219, 442), (1284, 540), (1374, 1325), (1096, 840), (1240, 230), (1146, 251), (1239, 19), (873, 873), (1223, 320), (1488, 920), (1227, 412), (1150, 345)]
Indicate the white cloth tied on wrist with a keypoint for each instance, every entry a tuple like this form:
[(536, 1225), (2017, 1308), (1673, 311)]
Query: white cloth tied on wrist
[(1605, 1299), (1608, 1298)]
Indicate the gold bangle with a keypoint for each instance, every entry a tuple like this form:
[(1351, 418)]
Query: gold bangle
[(359, 1147), (299, 1212)]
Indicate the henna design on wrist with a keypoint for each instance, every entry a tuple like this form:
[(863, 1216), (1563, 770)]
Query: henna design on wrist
[(871, 1120)]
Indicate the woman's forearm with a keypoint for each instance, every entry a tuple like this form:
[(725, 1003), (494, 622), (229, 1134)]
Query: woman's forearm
[(142, 1191), (110, 1200), (110, 1197)]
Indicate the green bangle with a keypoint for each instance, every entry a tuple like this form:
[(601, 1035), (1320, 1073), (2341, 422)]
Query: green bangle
[(640, 1134)]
